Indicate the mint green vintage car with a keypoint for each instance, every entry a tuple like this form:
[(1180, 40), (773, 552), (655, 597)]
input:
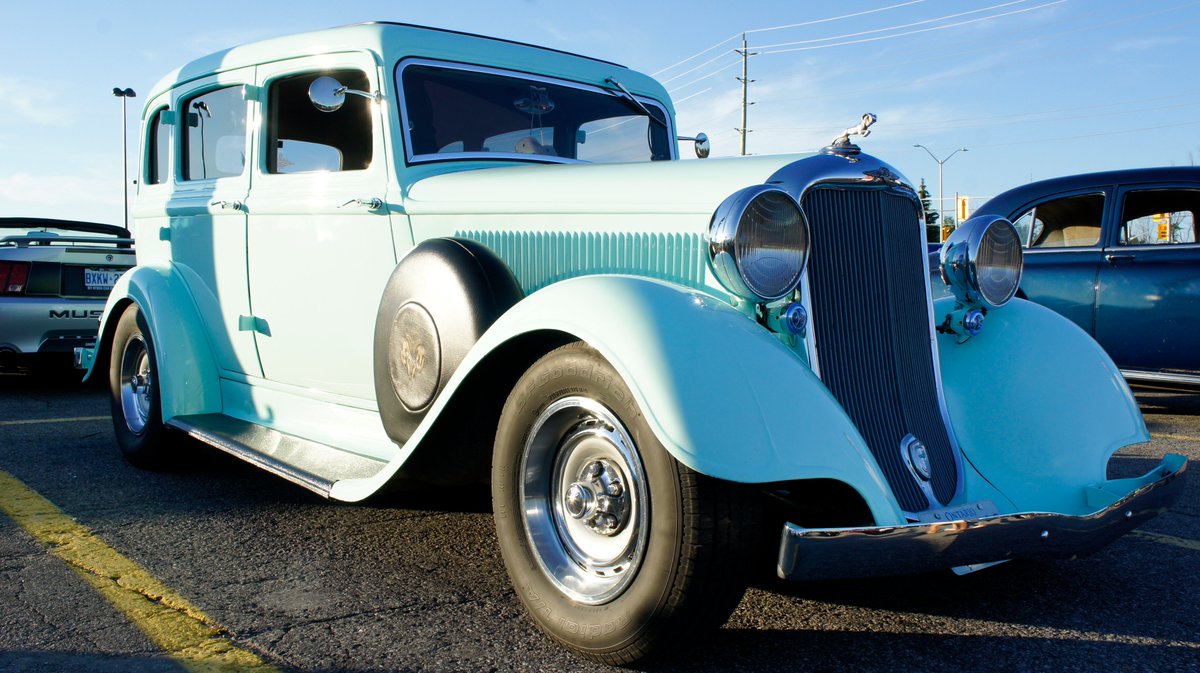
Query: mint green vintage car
[(385, 252)]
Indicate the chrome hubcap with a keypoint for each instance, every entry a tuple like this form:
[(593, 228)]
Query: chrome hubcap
[(598, 499), (584, 500), (137, 382)]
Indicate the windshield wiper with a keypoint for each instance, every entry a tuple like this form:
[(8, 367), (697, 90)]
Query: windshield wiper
[(636, 103)]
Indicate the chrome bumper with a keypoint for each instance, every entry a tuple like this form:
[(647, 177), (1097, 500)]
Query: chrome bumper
[(828, 553)]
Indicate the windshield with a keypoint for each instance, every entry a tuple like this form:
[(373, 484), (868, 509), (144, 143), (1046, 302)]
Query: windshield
[(454, 113)]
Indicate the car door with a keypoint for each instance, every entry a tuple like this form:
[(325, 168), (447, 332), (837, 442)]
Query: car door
[(1063, 252), (206, 226), (320, 238), (1148, 308)]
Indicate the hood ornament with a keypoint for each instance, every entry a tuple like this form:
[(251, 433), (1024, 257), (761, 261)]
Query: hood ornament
[(862, 130)]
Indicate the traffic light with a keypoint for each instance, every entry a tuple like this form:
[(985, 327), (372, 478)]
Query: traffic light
[(962, 209)]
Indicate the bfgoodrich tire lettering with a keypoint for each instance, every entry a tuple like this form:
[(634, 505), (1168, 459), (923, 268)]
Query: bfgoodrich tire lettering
[(687, 537), (133, 384)]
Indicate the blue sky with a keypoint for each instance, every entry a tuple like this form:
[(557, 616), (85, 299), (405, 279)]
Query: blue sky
[(1033, 88)]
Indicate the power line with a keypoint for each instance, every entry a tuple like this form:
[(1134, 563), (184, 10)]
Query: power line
[(792, 25), (993, 119), (897, 27), (1089, 135), (837, 18), (714, 73), (685, 72), (920, 30)]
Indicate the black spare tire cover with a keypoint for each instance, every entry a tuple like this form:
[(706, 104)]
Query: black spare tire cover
[(439, 300)]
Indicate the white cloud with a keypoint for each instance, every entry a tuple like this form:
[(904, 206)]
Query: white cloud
[(35, 103), (88, 197)]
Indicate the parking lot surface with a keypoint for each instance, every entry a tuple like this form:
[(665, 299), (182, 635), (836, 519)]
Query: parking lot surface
[(414, 582)]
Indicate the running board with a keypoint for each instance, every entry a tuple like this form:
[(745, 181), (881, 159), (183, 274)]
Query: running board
[(314, 466)]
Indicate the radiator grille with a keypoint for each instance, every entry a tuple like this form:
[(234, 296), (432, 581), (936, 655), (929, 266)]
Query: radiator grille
[(539, 258), (871, 322)]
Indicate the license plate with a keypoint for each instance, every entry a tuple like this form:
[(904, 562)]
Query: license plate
[(965, 512), (101, 279)]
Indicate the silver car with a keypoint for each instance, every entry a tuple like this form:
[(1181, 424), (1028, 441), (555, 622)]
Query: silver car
[(55, 276)]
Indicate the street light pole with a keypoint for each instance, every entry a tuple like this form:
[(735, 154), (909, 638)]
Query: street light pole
[(124, 95), (940, 163)]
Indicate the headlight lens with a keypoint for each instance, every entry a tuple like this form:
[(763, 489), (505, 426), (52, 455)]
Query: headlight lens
[(758, 243), (982, 261)]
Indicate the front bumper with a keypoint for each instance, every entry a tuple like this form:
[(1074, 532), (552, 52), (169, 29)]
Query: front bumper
[(829, 553)]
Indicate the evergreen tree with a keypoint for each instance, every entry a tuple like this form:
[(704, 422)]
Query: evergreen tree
[(931, 214), (933, 233)]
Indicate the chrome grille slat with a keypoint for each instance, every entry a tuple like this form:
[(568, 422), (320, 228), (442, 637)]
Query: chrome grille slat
[(871, 324)]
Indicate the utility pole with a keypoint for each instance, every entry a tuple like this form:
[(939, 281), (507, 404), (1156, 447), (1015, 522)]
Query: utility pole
[(745, 80)]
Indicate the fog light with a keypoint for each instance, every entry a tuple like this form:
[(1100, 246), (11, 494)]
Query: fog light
[(973, 322), (795, 318)]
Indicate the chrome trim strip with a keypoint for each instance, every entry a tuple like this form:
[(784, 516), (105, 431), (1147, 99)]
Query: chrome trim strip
[(1160, 377), (829, 553), (402, 102), (863, 170)]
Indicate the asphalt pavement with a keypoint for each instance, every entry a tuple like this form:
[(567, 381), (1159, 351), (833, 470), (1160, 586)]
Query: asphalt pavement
[(414, 581)]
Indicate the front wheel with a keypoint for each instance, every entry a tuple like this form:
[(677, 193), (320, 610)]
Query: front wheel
[(133, 382), (613, 546)]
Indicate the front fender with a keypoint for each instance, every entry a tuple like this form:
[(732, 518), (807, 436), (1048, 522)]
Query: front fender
[(1037, 406), (188, 379), (722, 394)]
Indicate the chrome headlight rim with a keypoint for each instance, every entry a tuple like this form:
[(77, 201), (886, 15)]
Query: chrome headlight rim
[(725, 245), (960, 262)]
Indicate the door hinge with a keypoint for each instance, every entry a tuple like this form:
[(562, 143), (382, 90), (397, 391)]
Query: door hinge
[(249, 323)]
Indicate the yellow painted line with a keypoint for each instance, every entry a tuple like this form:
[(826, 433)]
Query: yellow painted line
[(1183, 437), (37, 421), (1194, 545), (185, 633)]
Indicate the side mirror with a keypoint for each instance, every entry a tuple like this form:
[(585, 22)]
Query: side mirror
[(702, 146), (329, 95)]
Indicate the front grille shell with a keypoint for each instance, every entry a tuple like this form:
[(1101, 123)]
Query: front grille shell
[(871, 339)]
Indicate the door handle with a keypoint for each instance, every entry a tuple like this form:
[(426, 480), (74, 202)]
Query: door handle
[(373, 203), (1113, 259), (231, 205)]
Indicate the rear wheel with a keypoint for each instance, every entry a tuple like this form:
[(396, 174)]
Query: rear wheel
[(613, 546), (133, 382)]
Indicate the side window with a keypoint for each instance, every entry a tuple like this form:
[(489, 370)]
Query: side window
[(214, 139), (1159, 217), (303, 139), (1069, 222), (158, 163)]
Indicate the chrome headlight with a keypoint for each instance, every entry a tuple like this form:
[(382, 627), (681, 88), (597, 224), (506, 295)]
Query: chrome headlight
[(758, 243), (982, 261)]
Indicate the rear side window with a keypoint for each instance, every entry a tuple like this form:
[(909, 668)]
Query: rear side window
[(214, 139), (1160, 217), (1069, 222), (303, 139), (158, 164)]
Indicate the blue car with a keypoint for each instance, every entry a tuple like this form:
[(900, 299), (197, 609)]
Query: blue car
[(1116, 252)]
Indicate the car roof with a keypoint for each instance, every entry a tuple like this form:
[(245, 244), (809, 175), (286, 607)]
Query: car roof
[(1006, 202), (28, 223), (379, 37)]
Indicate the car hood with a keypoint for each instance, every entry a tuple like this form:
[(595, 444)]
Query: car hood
[(676, 187)]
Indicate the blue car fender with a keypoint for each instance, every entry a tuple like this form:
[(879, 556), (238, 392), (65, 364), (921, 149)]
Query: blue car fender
[(188, 378), (1037, 406), (720, 392)]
